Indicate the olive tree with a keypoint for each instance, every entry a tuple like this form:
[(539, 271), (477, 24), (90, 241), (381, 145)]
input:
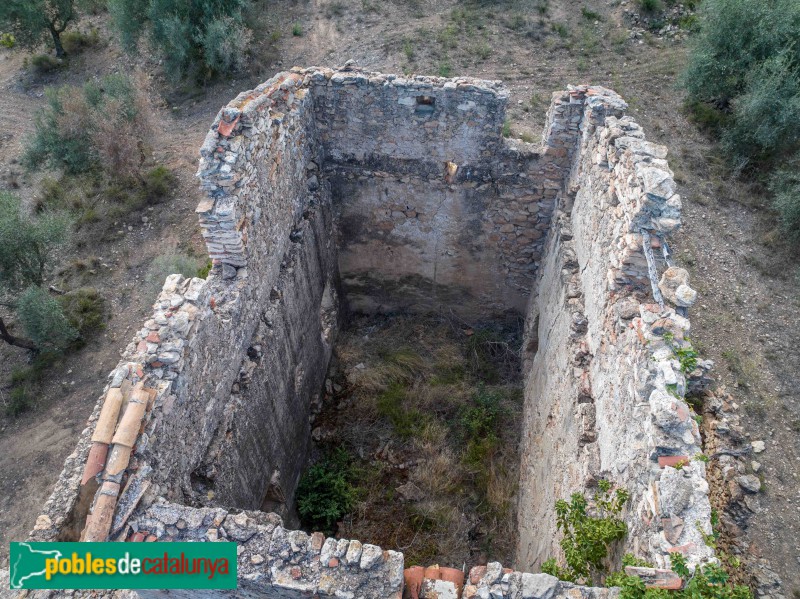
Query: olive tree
[(32, 22), (27, 245), (195, 38)]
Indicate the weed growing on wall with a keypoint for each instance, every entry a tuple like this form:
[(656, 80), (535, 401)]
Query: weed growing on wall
[(706, 582), (684, 352), (587, 536)]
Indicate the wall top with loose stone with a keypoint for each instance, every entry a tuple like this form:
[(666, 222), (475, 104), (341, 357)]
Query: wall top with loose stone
[(626, 202), (276, 562)]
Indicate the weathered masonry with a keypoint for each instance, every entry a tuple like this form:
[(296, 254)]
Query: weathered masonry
[(330, 191)]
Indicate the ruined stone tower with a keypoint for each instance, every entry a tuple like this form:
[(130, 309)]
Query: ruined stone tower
[(329, 191)]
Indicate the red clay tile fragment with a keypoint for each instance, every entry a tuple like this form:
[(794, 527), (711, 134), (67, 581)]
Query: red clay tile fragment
[(656, 578), (109, 414), (118, 460), (226, 128), (98, 524), (433, 573), (128, 428), (455, 576), (672, 460), (413, 577), (95, 462)]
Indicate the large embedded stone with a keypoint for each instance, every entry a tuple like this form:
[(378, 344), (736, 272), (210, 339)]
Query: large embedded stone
[(538, 586)]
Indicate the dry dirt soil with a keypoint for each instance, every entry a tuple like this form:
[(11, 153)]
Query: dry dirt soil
[(746, 319)]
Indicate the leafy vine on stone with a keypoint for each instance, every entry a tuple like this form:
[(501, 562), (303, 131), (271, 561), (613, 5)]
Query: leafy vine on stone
[(586, 537)]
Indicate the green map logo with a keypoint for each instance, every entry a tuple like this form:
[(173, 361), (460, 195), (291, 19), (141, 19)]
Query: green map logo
[(123, 566), (29, 563)]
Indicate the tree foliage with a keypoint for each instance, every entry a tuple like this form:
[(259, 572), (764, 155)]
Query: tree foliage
[(43, 320), (586, 537), (745, 66), (194, 38), (27, 244), (33, 22), (746, 61)]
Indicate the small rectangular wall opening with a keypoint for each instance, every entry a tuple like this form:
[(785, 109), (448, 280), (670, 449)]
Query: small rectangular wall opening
[(425, 104)]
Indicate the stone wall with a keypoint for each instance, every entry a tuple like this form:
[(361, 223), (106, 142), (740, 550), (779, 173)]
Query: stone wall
[(215, 392), (435, 209), (604, 397)]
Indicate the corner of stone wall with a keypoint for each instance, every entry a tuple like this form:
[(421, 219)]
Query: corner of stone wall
[(107, 475), (255, 126)]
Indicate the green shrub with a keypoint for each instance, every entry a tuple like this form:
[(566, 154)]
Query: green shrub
[(650, 5), (297, 30), (55, 146), (7, 40), (18, 401), (203, 271), (170, 264), (222, 51), (587, 538), (707, 117), (390, 405), (52, 195), (743, 81), (85, 310), (706, 582), (325, 493), (785, 187), (77, 41), (480, 419), (590, 15), (99, 126), (36, 371), (45, 63), (159, 184), (561, 29), (746, 62), (27, 243), (44, 320)]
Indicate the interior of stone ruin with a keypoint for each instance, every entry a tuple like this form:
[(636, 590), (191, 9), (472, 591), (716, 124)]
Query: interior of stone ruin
[(462, 328)]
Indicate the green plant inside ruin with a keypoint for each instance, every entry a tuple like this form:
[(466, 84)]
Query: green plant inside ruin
[(326, 493)]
